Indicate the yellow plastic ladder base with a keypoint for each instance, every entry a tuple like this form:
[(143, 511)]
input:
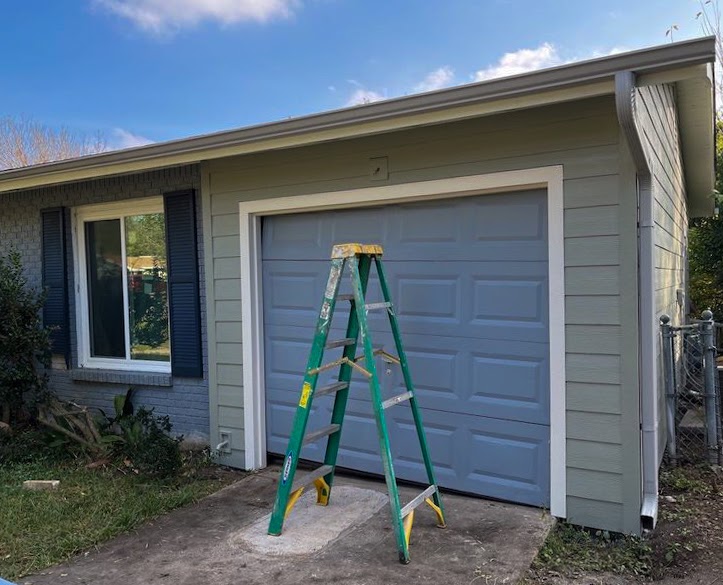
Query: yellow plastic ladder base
[(408, 526), (440, 517), (292, 500), (322, 491)]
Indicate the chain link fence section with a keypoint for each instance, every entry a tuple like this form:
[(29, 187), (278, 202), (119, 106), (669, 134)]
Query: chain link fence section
[(692, 391)]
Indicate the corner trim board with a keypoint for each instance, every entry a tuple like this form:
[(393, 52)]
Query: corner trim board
[(251, 213)]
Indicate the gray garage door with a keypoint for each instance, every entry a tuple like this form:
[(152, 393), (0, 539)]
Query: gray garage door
[(469, 281)]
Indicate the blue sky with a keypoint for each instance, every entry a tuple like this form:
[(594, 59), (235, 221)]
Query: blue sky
[(151, 70)]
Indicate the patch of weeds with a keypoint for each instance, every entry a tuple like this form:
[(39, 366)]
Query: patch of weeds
[(571, 550), (29, 444), (685, 479), (675, 514), (673, 550)]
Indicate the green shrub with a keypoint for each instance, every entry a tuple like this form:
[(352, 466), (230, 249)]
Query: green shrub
[(24, 342), (143, 440), (30, 445)]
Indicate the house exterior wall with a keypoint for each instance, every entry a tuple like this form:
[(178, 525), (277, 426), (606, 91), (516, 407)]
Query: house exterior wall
[(658, 122), (603, 441), (184, 400)]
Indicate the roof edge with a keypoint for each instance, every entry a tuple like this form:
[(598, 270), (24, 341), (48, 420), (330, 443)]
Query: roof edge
[(643, 61)]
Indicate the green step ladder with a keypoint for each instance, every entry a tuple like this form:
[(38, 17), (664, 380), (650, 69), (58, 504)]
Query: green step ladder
[(358, 258)]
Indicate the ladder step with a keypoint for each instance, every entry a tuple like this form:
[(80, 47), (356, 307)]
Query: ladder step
[(374, 306), (311, 477), (396, 399), (329, 388), (339, 342), (322, 432), (345, 298), (418, 500)]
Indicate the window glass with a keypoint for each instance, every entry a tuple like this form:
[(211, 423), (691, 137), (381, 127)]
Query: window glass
[(145, 237), (105, 288), (127, 289)]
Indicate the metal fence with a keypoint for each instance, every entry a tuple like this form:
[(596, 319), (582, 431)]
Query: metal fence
[(691, 390)]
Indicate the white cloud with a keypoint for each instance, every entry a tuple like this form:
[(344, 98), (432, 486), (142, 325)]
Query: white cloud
[(166, 16), (437, 79), (521, 61), (123, 139), (514, 63), (362, 95)]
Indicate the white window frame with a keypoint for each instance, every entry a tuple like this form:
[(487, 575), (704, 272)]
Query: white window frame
[(100, 212)]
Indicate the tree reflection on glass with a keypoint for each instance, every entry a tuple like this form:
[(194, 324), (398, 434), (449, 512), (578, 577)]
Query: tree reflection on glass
[(145, 237)]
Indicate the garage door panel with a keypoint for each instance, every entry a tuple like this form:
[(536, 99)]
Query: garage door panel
[(496, 379), (500, 459), (360, 225), (493, 227), (295, 232), (291, 292), (434, 299), (428, 226), (509, 219), (508, 301), (514, 301), (469, 281)]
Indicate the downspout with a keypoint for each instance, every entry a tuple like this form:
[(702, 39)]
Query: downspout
[(625, 96)]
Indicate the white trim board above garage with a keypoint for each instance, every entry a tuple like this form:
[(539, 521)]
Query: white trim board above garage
[(250, 214)]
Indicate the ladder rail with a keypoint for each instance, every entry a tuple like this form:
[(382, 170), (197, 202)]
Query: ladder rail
[(301, 417), (382, 431), (345, 372), (404, 364)]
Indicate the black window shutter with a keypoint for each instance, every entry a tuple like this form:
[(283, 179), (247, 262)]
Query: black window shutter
[(183, 297), (55, 279)]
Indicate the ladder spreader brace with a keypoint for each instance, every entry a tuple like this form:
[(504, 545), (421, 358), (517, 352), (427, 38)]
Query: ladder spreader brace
[(358, 258)]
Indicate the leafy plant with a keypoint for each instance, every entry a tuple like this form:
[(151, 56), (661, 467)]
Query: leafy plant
[(705, 249), (24, 342), (142, 439)]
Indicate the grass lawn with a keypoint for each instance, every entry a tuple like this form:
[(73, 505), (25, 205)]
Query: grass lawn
[(39, 529)]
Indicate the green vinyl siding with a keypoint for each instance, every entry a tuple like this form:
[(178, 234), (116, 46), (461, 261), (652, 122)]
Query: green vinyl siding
[(601, 284), (658, 123)]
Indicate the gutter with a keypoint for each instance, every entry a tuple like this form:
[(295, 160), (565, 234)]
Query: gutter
[(311, 128), (625, 94)]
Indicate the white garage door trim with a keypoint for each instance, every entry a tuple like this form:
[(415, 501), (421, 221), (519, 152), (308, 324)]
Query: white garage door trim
[(250, 214)]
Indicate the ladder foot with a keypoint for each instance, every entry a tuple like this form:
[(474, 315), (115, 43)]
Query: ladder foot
[(292, 500), (322, 492), (438, 511), (403, 558), (408, 521)]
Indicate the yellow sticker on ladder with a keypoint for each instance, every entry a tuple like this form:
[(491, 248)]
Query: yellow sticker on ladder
[(305, 393)]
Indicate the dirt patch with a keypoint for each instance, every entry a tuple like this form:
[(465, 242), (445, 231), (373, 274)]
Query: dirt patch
[(685, 548)]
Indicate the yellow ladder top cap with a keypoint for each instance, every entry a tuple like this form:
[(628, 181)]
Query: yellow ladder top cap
[(349, 250)]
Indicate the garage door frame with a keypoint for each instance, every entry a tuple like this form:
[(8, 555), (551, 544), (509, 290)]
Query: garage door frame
[(251, 214)]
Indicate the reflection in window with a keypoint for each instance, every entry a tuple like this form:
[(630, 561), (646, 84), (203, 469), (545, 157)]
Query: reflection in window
[(105, 284), (147, 287), (127, 288)]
